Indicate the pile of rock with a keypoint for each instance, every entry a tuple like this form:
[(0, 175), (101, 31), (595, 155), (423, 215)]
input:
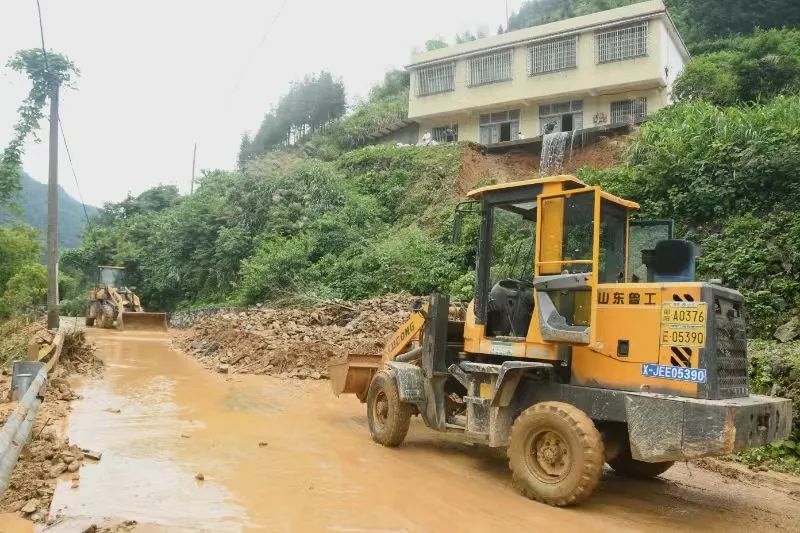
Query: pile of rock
[(33, 481), (290, 342)]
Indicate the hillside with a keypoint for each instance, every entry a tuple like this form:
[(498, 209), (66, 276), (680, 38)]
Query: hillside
[(32, 200)]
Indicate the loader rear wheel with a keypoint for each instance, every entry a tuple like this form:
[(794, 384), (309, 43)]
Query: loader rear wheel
[(555, 453), (387, 416), (625, 465)]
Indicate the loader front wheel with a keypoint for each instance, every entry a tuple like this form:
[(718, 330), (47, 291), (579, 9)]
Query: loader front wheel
[(105, 318), (387, 416), (625, 465), (555, 453)]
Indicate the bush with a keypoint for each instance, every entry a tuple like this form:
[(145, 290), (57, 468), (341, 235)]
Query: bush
[(775, 370), (699, 164), (744, 69), (75, 306), (26, 291), (274, 267)]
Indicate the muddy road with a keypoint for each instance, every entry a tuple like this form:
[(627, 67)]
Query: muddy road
[(286, 455)]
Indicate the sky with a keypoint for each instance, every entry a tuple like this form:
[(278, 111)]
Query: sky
[(159, 75)]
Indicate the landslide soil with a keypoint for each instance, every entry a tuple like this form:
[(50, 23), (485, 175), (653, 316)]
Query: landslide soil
[(288, 342), (49, 456)]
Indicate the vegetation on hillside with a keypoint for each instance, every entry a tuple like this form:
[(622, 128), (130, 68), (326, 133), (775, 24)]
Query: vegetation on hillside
[(30, 207), (370, 222), (743, 69), (308, 107), (697, 20)]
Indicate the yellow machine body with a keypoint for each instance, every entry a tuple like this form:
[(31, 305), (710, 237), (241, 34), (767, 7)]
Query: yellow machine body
[(605, 314), (113, 304)]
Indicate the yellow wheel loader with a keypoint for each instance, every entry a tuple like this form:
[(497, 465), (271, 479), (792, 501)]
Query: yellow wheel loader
[(112, 303), (589, 341)]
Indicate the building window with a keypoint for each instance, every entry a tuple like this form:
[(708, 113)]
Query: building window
[(622, 43), (561, 116), (627, 111), (491, 68), (551, 56), (498, 127), (445, 134), (436, 79)]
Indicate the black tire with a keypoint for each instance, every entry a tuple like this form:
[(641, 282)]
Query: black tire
[(625, 465), (555, 454), (387, 416)]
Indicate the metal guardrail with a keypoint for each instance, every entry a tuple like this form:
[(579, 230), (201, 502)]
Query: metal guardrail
[(16, 431), (27, 385)]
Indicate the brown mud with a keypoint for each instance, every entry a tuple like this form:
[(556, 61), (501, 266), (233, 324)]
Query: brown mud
[(291, 342), (49, 457), (286, 455)]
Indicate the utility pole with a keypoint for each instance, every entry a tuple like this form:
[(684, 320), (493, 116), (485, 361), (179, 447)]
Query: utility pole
[(194, 159), (52, 217)]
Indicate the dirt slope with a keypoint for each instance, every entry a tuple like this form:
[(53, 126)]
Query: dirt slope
[(291, 342)]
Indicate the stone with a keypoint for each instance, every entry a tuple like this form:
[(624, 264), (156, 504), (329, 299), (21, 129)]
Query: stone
[(263, 443), (58, 469), (199, 476), (223, 368), (196, 345), (73, 466), (16, 506), (30, 506), (789, 331)]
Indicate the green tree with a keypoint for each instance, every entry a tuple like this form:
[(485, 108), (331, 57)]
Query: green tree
[(19, 246), (435, 44), (744, 69), (697, 20), (46, 73), (26, 291), (468, 36)]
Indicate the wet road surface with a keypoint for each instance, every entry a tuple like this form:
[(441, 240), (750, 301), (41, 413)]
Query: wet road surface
[(286, 455)]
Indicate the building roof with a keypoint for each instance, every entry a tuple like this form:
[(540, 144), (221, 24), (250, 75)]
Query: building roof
[(630, 13)]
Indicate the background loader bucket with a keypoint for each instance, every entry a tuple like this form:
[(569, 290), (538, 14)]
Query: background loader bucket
[(353, 373), (143, 322)]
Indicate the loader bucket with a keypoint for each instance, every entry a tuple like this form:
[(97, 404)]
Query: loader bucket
[(353, 373), (143, 321)]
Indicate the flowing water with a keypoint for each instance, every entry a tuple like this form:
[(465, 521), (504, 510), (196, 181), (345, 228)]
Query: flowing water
[(554, 146)]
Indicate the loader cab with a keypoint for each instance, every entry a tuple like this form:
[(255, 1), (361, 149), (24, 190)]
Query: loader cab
[(545, 245), (112, 276)]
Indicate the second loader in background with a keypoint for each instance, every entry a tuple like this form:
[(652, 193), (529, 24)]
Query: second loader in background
[(112, 303)]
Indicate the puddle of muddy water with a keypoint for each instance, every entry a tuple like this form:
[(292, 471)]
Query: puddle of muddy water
[(317, 469), (132, 417)]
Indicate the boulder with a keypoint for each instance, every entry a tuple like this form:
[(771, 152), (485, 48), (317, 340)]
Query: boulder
[(789, 331), (30, 506)]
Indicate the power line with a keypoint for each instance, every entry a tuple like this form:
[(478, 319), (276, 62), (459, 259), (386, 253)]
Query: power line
[(60, 124), (72, 168), (260, 43), (41, 33)]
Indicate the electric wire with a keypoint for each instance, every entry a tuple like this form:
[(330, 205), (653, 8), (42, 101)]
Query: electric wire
[(60, 123)]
